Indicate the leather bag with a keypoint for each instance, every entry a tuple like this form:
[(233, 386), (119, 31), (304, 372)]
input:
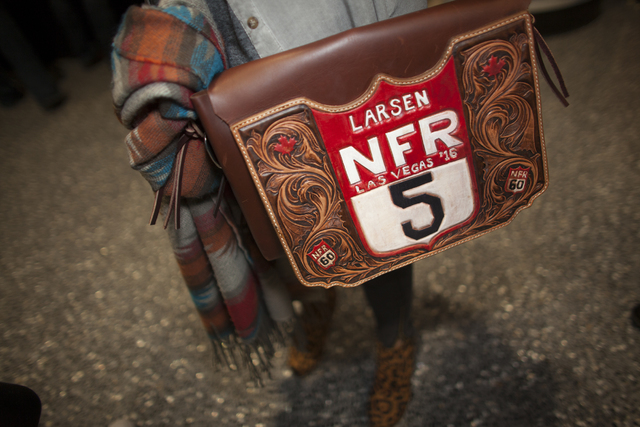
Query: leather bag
[(380, 146)]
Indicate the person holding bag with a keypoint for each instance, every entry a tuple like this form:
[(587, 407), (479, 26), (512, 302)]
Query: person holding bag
[(163, 54)]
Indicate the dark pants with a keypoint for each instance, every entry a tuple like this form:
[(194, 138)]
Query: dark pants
[(390, 297)]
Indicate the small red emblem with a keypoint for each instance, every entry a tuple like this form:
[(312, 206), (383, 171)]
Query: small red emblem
[(285, 146), (517, 180), (323, 255), (494, 67)]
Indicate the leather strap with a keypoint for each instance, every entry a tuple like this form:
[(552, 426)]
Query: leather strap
[(191, 131), (541, 44)]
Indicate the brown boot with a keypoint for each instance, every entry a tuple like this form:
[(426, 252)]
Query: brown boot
[(316, 323), (391, 391)]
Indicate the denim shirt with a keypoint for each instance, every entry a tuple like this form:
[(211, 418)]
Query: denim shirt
[(274, 26)]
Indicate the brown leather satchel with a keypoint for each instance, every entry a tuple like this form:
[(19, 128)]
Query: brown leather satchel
[(374, 148)]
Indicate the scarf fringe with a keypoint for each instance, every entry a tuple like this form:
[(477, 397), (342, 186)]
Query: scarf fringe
[(254, 358)]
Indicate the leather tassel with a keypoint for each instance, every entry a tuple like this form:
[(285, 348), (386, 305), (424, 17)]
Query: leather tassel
[(190, 132), (561, 93)]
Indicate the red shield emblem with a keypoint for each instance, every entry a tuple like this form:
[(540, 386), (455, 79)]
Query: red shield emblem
[(517, 180), (323, 255), (403, 162)]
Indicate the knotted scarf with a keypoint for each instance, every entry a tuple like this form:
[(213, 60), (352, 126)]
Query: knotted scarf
[(161, 56)]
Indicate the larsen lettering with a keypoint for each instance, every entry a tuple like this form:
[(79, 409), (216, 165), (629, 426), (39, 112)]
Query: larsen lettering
[(393, 108)]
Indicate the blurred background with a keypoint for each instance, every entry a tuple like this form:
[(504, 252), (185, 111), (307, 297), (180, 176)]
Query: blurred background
[(526, 326), (35, 35)]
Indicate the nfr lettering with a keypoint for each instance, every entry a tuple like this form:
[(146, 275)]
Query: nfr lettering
[(519, 173), (376, 164)]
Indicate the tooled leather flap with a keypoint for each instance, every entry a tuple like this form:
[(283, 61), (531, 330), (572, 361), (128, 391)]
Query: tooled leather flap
[(334, 71)]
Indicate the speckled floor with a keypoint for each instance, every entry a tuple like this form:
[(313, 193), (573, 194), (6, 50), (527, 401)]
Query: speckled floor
[(527, 326)]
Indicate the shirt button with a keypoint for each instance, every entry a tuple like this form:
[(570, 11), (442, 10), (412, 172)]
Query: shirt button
[(252, 23)]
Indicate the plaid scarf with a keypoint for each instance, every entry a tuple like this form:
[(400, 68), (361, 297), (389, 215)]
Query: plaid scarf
[(161, 56)]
